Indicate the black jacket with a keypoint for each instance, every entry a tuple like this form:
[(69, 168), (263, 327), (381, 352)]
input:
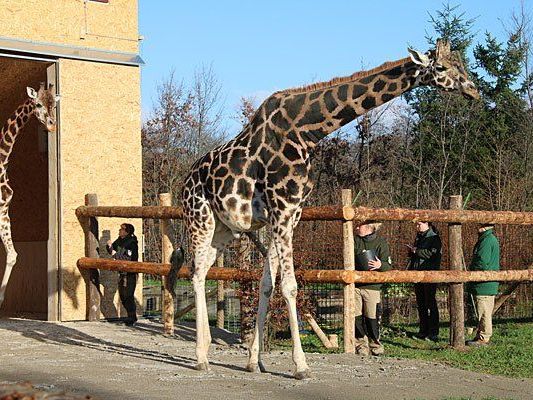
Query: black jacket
[(428, 252), (126, 248)]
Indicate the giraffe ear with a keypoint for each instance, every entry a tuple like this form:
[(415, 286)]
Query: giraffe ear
[(31, 92), (419, 58)]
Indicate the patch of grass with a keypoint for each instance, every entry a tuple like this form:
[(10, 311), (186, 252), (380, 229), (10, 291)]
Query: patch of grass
[(510, 352)]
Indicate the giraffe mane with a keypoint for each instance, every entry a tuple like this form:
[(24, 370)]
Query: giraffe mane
[(337, 81)]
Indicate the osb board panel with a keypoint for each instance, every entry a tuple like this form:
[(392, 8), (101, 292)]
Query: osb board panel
[(28, 163), (27, 292), (100, 153), (112, 26)]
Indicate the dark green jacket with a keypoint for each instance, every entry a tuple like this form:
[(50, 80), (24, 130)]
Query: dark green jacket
[(381, 248), (486, 258), (428, 252)]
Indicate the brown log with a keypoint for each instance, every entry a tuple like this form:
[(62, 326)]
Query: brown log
[(505, 295), (221, 295), (92, 276), (165, 200), (349, 265), (316, 275), (456, 302), (156, 212), (318, 331), (333, 213), (450, 216)]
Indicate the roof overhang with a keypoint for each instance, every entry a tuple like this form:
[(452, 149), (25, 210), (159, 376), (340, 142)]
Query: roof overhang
[(63, 51)]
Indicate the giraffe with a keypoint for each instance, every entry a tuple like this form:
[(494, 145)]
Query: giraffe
[(41, 104), (262, 176)]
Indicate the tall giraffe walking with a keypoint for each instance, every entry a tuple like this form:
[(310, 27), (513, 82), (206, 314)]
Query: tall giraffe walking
[(262, 176), (41, 104)]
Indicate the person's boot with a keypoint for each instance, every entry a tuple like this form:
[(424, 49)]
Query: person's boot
[(131, 320)]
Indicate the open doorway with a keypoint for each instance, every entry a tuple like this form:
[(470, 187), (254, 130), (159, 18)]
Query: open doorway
[(33, 285)]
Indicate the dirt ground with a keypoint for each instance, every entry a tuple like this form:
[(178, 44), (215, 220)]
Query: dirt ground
[(111, 361)]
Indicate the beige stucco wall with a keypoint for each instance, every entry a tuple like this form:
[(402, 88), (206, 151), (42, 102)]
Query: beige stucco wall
[(100, 152), (111, 26)]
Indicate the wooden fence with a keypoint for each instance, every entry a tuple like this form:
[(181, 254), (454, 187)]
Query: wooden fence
[(456, 276)]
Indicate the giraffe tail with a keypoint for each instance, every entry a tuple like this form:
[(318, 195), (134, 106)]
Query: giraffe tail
[(176, 261)]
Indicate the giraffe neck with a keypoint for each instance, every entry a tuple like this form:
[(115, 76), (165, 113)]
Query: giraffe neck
[(12, 127), (314, 111)]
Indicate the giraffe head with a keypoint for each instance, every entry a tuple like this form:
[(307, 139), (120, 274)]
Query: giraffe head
[(44, 101), (444, 69)]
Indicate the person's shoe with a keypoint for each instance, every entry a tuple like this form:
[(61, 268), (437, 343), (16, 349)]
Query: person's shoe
[(130, 321), (432, 338), (477, 342), (420, 336), (362, 351), (377, 351)]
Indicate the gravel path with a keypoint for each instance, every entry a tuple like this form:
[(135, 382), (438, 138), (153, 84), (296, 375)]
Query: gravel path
[(111, 361)]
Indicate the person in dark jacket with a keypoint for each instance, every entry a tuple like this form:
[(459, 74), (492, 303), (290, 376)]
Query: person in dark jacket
[(486, 257), (425, 255), (371, 254), (126, 247)]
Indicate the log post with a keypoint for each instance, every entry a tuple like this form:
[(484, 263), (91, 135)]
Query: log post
[(92, 277), (221, 298), (455, 301), (165, 199), (349, 289)]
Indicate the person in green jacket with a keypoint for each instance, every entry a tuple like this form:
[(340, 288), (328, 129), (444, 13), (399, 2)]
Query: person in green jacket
[(371, 254), (425, 255), (486, 257)]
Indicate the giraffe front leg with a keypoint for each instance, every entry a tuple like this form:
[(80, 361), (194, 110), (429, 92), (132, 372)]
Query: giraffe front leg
[(266, 288), (289, 290), (11, 254), (202, 262)]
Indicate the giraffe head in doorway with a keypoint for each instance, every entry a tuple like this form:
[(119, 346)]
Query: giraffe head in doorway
[(444, 69), (44, 102)]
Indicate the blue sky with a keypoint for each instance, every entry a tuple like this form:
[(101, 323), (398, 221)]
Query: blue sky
[(256, 48)]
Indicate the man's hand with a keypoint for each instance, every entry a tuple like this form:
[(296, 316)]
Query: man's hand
[(374, 265)]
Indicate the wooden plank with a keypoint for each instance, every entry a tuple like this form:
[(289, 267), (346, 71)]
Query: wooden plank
[(315, 275), (333, 213), (165, 200), (456, 303), (349, 289), (92, 277)]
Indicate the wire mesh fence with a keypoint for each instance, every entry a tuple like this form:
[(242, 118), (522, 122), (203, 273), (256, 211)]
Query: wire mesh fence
[(318, 245)]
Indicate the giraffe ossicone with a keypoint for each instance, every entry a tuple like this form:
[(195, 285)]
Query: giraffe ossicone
[(40, 104), (262, 176)]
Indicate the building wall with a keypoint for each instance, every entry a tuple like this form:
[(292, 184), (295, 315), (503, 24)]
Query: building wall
[(112, 26), (100, 152)]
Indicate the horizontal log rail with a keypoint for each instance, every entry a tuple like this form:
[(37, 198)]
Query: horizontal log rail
[(332, 213), (316, 275)]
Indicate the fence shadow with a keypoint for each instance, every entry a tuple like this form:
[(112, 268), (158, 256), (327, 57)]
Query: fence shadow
[(53, 333)]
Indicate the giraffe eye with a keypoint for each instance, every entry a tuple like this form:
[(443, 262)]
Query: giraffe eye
[(38, 105), (440, 68)]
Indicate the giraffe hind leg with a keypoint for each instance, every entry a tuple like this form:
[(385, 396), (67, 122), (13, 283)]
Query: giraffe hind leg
[(11, 254)]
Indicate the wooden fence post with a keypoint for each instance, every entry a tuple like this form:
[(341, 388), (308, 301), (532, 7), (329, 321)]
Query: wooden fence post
[(92, 277), (221, 298), (455, 256), (349, 290), (165, 199)]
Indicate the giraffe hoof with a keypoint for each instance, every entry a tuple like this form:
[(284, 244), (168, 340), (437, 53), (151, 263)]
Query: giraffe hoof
[(254, 368), (203, 367), (305, 374)]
